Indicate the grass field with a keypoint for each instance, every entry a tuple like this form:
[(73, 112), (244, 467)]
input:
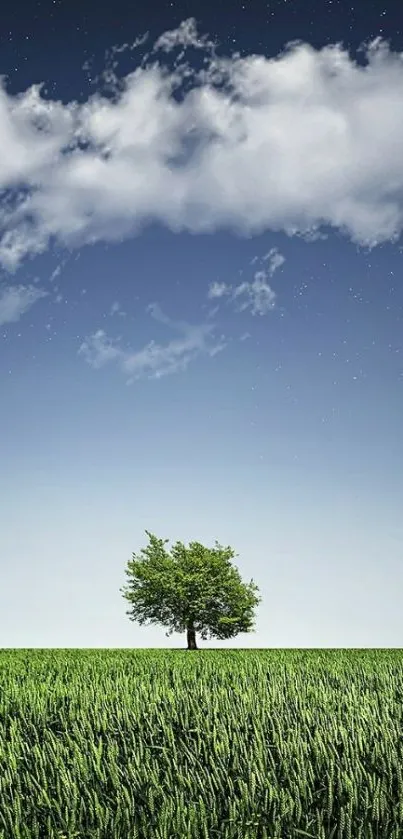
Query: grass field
[(98, 744)]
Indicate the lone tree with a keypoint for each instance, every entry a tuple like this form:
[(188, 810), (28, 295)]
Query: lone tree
[(189, 589)]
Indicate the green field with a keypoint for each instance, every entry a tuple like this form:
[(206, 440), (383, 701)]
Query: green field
[(214, 743)]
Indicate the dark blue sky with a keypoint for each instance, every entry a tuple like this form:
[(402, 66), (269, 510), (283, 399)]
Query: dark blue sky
[(201, 311)]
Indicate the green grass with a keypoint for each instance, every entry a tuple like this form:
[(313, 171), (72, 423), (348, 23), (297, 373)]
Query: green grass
[(282, 744)]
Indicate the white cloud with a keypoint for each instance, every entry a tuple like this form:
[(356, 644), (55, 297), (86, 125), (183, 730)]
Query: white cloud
[(260, 297), (154, 360), (98, 349), (55, 273), (305, 139), (255, 295), (185, 35), (117, 310), (217, 290), (275, 259), (16, 300)]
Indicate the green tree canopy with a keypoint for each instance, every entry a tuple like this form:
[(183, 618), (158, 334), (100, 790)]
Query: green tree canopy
[(190, 589)]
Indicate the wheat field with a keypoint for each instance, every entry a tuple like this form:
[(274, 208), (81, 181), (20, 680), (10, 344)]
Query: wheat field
[(161, 744)]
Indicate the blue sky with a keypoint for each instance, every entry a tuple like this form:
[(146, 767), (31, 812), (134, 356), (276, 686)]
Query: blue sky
[(201, 313)]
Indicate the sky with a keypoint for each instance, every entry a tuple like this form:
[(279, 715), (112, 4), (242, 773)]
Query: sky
[(201, 312)]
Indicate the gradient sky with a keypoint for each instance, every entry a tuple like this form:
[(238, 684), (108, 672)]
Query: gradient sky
[(201, 311)]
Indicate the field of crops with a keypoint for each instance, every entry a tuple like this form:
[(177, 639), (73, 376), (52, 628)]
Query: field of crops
[(105, 744)]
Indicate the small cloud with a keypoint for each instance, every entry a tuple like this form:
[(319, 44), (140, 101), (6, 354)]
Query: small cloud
[(98, 349), (260, 297), (186, 35), (245, 336), (16, 300), (276, 260), (217, 290), (257, 294), (116, 310), (23, 241), (212, 312), (55, 273), (154, 360), (156, 312)]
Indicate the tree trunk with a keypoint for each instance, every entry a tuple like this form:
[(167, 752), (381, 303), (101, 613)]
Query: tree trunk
[(191, 636)]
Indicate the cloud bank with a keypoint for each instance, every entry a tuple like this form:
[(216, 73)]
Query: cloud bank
[(291, 143)]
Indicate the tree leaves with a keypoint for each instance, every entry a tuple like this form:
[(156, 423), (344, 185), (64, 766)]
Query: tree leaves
[(189, 585)]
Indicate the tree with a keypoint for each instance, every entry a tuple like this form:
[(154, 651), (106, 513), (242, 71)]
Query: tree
[(189, 589)]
